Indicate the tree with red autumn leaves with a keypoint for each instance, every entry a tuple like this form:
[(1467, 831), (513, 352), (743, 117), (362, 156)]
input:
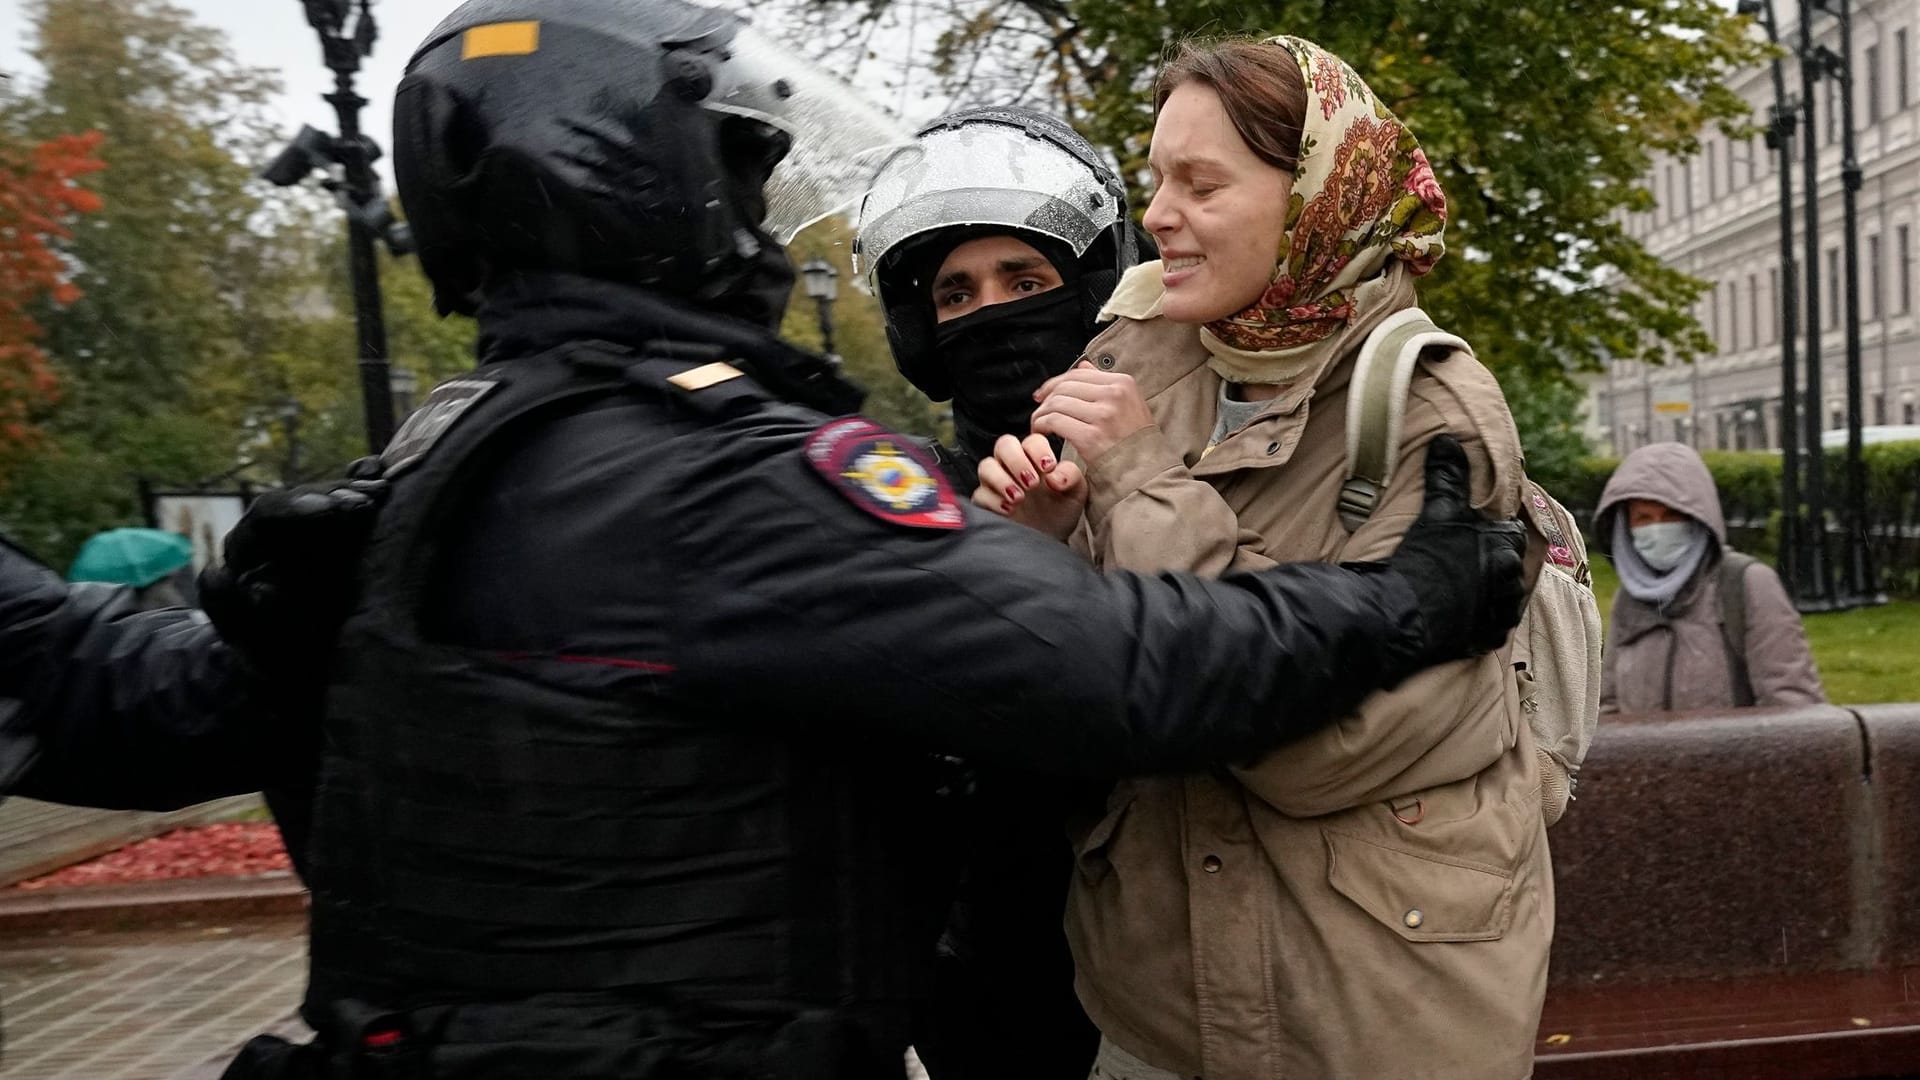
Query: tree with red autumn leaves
[(39, 195)]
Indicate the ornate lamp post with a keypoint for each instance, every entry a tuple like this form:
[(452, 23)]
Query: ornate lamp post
[(1780, 130), (403, 384), (1861, 586), (1816, 576), (348, 159)]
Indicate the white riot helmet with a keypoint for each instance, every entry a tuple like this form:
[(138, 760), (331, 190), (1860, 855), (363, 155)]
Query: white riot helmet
[(987, 171)]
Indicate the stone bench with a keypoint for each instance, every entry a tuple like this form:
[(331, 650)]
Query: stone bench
[(1738, 894)]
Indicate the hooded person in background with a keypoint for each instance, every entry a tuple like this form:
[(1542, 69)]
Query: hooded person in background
[(992, 251), (1695, 625)]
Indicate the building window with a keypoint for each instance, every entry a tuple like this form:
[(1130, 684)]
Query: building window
[(1753, 311), (1776, 440), (1873, 84), (1833, 287), (1713, 316), (1879, 408), (1836, 416), (1713, 171), (1902, 70), (1873, 277), (1773, 306), (1907, 411), (1903, 266), (1672, 205), (1833, 110)]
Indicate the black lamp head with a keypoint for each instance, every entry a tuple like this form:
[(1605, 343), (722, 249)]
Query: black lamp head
[(311, 149)]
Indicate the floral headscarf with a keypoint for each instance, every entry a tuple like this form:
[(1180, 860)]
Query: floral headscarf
[(1363, 195)]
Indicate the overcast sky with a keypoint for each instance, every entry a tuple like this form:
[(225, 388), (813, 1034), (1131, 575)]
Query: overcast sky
[(274, 34)]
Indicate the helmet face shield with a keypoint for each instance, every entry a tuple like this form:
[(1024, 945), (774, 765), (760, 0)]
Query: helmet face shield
[(840, 140), (982, 174)]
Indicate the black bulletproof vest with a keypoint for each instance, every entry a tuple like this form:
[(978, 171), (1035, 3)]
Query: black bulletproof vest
[(511, 849)]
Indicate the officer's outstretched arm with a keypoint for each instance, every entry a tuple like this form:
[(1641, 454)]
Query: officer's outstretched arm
[(102, 704), (991, 641)]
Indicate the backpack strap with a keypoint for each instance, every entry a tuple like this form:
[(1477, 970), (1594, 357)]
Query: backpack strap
[(1377, 406), (1733, 623)]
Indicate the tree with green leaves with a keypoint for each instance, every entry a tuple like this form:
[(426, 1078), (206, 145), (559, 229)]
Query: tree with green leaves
[(174, 268), (213, 342), (1540, 118), (860, 334)]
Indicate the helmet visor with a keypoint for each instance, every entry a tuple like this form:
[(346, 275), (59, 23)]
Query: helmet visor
[(840, 140), (982, 174)]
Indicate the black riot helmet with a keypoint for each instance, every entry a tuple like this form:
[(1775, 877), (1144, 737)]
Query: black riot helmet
[(999, 170), (648, 142)]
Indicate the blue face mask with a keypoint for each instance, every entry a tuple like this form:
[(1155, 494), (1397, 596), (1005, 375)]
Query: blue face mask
[(1663, 545)]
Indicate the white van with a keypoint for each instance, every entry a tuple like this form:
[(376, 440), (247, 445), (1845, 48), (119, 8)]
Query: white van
[(1836, 439)]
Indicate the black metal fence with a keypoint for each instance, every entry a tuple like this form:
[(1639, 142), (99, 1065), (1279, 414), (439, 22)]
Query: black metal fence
[(1750, 498)]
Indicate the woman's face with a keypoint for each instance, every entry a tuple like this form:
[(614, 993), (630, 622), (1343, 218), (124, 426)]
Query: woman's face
[(1651, 512), (1218, 210)]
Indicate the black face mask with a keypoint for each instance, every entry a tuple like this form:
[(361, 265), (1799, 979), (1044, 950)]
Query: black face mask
[(998, 356)]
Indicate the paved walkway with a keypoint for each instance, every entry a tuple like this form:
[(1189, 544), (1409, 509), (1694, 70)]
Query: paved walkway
[(160, 1004), (143, 1005)]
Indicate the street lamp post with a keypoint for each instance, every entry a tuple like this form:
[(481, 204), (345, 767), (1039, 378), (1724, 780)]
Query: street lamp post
[(822, 283), (1861, 586), (288, 412), (402, 383), (1816, 592), (1780, 125), (348, 158)]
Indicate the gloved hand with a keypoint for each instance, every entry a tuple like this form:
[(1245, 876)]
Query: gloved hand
[(1467, 573), (288, 581)]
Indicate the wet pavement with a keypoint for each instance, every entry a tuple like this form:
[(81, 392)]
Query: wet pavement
[(170, 1003), (146, 1004)]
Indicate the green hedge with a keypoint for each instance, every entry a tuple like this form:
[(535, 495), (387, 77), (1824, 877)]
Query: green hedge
[(1749, 485)]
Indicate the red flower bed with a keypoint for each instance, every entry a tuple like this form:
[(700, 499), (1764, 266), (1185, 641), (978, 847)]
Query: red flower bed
[(241, 849)]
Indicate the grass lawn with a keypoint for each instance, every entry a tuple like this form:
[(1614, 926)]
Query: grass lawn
[(1866, 656)]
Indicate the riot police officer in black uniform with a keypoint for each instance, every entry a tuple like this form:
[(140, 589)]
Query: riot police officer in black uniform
[(621, 773)]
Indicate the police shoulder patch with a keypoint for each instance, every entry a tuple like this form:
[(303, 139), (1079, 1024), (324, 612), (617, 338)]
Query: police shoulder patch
[(884, 473)]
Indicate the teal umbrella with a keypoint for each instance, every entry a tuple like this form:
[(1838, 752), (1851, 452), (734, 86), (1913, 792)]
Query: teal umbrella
[(136, 557)]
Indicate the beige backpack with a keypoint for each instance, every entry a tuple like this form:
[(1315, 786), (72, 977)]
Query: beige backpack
[(1556, 650)]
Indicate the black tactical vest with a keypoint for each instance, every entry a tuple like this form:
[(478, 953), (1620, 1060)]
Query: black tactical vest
[(558, 869)]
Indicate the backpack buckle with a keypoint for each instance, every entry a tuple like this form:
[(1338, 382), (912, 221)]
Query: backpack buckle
[(1358, 498)]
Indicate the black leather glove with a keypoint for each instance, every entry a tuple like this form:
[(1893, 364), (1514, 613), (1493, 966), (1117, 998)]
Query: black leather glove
[(288, 581), (1467, 573)]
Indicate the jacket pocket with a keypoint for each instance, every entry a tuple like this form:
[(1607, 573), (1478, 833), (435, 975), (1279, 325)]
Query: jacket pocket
[(1090, 855), (1422, 896)]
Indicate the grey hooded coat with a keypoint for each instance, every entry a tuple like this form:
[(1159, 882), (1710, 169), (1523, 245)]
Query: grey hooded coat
[(1674, 657)]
